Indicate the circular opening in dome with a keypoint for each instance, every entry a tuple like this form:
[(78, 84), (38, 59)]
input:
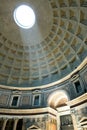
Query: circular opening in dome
[(24, 16)]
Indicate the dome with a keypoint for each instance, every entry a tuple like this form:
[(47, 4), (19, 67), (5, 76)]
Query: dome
[(48, 51)]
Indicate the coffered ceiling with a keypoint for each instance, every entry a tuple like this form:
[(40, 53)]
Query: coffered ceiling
[(48, 51)]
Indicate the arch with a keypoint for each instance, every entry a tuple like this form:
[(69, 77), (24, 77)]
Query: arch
[(19, 124), (9, 124), (58, 98), (1, 123)]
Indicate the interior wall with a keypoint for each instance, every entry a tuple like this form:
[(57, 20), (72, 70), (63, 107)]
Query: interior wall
[(26, 98)]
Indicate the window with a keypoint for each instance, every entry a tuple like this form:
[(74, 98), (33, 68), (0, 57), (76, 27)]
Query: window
[(78, 86), (14, 101), (36, 100)]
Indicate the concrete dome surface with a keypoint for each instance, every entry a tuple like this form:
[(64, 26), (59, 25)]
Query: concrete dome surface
[(47, 52)]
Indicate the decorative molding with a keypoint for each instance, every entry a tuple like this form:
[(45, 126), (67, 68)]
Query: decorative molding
[(16, 92), (78, 101), (29, 111), (36, 91)]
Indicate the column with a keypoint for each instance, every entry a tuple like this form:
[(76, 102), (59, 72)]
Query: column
[(58, 121), (4, 124), (74, 121), (15, 124)]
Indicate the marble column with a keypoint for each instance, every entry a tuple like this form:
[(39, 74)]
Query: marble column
[(15, 124), (4, 124), (58, 121), (74, 120)]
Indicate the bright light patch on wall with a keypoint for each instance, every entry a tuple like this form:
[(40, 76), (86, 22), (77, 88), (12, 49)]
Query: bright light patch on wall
[(24, 16)]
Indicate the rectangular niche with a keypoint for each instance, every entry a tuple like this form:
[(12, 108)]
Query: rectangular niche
[(14, 101), (78, 87), (36, 100)]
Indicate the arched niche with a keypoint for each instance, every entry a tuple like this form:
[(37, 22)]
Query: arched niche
[(58, 98)]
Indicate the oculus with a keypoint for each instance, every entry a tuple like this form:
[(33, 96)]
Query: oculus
[(24, 16)]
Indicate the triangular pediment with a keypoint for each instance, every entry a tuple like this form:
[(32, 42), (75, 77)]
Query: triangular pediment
[(33, 127), (83, 119)]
